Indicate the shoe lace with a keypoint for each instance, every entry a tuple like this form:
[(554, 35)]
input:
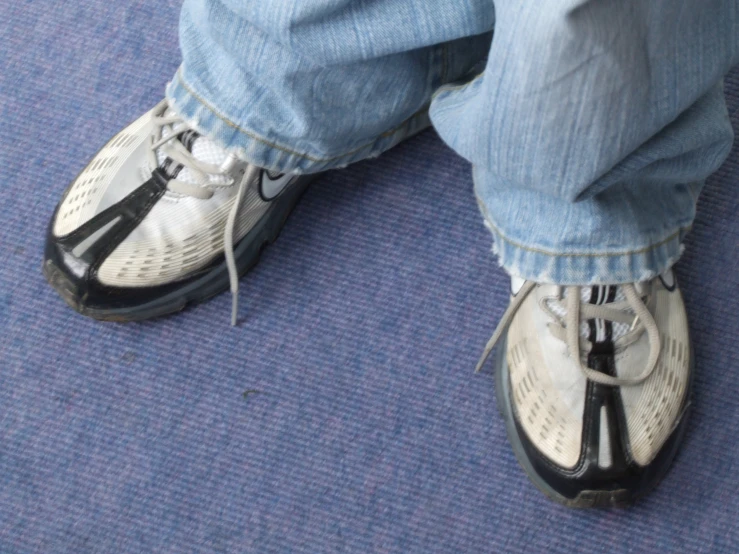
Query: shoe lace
[(169, 145), (633, 311)]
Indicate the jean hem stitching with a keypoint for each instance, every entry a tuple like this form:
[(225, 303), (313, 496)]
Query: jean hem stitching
[(681, 230), (257, 138)]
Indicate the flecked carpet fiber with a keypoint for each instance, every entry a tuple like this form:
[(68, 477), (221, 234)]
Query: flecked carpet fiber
[(366, 429)]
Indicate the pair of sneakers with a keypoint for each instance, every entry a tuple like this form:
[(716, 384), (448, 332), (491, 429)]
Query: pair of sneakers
[(593, 382)]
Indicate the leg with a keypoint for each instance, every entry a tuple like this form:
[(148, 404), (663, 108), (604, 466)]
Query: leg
[(591, 134), (304, 86), (178, 205)]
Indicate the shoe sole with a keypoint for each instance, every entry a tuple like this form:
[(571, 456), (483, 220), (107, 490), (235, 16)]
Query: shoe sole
[(618, 498), (246, 253)]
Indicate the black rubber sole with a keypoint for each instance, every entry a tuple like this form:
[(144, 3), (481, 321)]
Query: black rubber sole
[(617, 498), (213, 282)]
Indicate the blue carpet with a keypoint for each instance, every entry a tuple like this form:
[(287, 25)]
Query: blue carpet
[(369, 433)]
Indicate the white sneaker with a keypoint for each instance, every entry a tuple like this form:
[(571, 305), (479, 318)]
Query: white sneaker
[(594, 386), (162, 217)]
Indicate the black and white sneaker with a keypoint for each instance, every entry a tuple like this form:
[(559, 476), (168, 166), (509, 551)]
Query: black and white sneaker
[(160, 218), (594, 385)]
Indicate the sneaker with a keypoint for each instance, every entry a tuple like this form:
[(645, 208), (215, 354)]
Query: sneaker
[(162, 217), (594, 385)]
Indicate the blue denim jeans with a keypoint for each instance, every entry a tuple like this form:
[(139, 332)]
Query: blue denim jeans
[(591, 125)]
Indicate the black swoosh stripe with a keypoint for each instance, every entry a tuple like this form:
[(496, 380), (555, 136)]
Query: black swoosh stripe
[(128, 214)]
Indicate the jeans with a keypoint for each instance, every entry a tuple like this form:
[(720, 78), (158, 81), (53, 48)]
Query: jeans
[(591, 125)]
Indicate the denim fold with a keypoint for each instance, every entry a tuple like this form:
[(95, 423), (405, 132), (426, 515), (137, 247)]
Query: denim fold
[(591, 125)]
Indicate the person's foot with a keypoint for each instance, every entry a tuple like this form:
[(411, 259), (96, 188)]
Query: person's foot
[(160, 218), (594, 385)]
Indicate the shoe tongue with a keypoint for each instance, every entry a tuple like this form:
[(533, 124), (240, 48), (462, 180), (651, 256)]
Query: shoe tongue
[(599, 329), (601, 294), (200, 147), (596, 294)]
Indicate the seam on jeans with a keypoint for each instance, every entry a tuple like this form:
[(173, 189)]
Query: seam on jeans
[(534, 250), (264, 141), (444, 63), (452, 88)]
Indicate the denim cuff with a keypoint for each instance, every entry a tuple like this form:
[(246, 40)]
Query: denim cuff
[(271, 154), (602, 267), (589, 269)]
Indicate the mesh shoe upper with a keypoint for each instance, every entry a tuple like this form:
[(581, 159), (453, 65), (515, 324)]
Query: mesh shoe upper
[(549, 390), (115, 171), (547, 387), (178, 236), (652, 409), (181, 233)]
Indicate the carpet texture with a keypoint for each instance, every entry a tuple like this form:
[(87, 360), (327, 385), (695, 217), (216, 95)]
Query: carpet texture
[(368, 431)]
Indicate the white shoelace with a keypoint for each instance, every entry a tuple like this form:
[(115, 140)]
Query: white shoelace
[(171, 147), (632, 312)]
